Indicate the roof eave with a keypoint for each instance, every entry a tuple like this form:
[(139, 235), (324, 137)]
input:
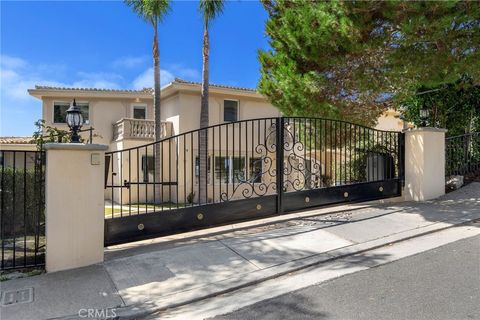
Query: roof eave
[(41, 93), (190, 87)]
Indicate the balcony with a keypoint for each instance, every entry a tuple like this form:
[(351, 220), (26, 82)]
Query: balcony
[(139, 129)]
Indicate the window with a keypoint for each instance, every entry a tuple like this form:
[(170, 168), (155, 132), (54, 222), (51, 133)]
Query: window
[(238, 164), (230, 110), (139, 112), (60, 111), (222, 169), (197, 169), (255, 170), (148, 168), (229, 169)]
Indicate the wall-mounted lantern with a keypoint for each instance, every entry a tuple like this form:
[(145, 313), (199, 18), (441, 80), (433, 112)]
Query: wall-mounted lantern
[(74, 121)]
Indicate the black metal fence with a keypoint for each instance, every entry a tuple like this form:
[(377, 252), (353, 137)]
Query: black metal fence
[(463, 154), (318, 161), (22, 216)]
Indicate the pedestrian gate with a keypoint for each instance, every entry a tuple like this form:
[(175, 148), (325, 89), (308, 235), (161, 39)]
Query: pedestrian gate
[(246, 170)]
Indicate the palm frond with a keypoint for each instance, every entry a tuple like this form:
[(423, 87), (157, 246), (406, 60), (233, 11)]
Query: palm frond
[(210, 9), (149, 10)]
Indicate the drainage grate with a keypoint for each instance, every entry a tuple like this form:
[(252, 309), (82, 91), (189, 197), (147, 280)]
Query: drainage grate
[(17, 296)]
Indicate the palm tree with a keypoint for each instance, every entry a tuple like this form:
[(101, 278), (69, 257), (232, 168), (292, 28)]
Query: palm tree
[(153, 12), (209, 10)]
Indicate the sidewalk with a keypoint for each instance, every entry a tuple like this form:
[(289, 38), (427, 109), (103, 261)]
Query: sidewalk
[(140, 278)]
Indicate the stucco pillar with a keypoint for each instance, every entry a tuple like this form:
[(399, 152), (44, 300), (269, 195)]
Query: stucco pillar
[(424, 163), (74, 205)]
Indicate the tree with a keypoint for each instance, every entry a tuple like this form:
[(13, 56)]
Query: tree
[(346, 59), (153, 12), (454, 106), (209, 10)]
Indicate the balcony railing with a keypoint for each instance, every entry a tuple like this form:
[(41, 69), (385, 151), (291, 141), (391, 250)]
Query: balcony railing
[(139, 129)]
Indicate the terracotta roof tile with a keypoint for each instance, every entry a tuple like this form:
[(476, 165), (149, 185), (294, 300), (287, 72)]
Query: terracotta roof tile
[(144, 90), (178, 80), (16, 140)]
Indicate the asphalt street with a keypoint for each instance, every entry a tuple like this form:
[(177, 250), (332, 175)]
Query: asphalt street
[(443, 283)]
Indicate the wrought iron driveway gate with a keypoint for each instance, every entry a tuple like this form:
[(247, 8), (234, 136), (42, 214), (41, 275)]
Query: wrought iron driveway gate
[(246, 170)]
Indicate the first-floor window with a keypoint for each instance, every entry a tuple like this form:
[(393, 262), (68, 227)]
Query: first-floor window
[(148, 168), (222, 169), (238, 166), (60, 111), (197, 170), (230, 169), (255, 170)]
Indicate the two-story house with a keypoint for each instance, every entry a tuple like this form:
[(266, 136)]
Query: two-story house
[(237, 153), (124, 118)]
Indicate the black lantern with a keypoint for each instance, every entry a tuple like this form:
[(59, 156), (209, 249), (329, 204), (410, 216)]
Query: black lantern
[(423, 116), (74, 120)]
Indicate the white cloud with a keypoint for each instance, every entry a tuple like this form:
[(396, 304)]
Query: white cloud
[(129, 62), (145, 79), (184, 72), (14, 83), (101, 80), (9, 62), (18, 110), (17, 76)]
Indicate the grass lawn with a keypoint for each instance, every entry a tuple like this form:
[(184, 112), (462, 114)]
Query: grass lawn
[(109, 211), (165, 206), (141, 208)]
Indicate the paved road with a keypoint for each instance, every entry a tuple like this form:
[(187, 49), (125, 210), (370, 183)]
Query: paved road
[(443, 283)]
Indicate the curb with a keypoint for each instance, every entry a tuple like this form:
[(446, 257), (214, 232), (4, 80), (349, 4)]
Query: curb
[(143, 309)]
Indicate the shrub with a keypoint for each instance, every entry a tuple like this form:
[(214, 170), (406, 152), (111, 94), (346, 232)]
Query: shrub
[(23, 207)]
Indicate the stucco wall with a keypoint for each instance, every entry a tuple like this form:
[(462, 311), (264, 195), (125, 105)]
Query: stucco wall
[(74, 215), (103, 113), (249, 108), (181, 108), (424, 164), (390, 121)]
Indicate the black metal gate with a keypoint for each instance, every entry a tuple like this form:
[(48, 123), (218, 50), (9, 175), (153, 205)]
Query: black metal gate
[(246, 170), (463, 155), (22, 216)]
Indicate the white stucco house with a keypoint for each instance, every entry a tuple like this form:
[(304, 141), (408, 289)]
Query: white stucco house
[(123, 119)]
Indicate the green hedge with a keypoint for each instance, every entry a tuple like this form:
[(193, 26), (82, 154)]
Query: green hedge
[(22, 192)]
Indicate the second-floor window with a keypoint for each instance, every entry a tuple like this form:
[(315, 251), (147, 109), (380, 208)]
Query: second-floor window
[(139, 112), (230, 110), (60, 111)]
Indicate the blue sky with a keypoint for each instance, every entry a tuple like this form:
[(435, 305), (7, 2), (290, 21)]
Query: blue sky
[(104, 44)]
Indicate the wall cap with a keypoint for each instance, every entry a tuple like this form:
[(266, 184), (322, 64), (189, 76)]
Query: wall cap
[(425, 129), (74, 146)]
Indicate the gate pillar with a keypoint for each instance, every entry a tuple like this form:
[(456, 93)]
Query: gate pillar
[(74, 205), (424, 163)]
